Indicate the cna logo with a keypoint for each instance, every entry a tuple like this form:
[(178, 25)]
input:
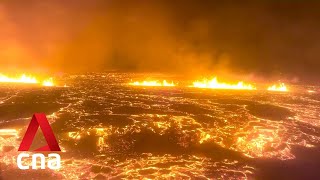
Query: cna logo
[(39, 120)]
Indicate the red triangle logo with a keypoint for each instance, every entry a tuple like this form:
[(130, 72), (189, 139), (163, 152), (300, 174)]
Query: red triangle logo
[(39, 119)]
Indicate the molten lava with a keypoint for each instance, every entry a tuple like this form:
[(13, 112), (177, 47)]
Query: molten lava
[(25, 80), (215, 84), (152, 83), (281, 87), (311, 91)]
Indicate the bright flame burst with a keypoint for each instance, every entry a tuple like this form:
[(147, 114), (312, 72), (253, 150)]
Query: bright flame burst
[(25, 80), (214, 84), (48, 82), (281, 87), (152, 83)]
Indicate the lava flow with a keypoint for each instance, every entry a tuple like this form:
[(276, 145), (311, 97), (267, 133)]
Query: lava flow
[(24, 79), (281, 87), (215, 84), (152, 83)]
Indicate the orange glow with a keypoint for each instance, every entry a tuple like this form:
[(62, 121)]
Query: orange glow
[(281, 87), (25, 79), (152, 83), (215, 84)]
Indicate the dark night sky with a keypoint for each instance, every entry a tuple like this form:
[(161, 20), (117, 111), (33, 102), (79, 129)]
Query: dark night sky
[(270, 39)]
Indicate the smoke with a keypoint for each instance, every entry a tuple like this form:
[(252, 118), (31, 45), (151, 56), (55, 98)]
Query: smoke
[(263, 38)]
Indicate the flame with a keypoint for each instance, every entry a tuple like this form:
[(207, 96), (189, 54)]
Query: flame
[(48, 82), (152, 83), (22, 79), (25, 80), (281, 87), (214, 84)]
